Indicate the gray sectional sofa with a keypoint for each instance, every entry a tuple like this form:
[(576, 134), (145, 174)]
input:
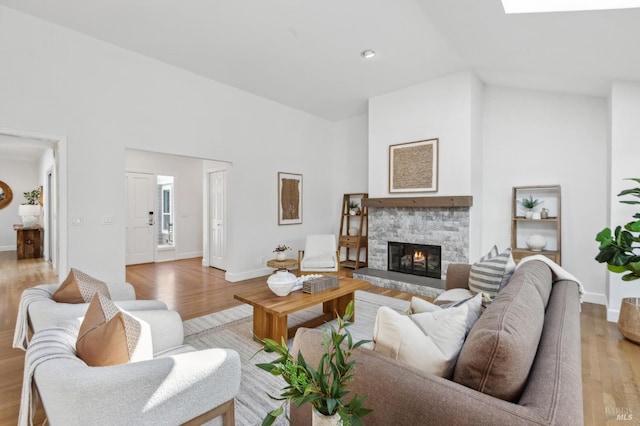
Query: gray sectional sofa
[(520, 363)]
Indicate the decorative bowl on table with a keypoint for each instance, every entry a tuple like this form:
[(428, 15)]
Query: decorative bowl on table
[(282, 282)]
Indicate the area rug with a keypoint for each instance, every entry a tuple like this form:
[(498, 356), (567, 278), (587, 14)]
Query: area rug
[(232, 328)]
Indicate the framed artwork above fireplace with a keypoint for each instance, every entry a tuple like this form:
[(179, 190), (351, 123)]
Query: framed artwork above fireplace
[(413, 166)]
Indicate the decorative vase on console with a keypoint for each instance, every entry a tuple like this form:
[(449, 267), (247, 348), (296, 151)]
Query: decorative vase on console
[(30, 211)]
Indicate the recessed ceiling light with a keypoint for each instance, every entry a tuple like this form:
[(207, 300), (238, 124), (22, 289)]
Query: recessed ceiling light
[(539, 6), (368, 54)]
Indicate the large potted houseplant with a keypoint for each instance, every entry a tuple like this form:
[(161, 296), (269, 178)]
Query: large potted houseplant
[(621, 252), (325, 386)]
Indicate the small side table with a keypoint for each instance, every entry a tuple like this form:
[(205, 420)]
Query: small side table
[(282, 264), (30, 241)]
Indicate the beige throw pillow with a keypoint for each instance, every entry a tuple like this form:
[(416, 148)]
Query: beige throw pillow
[(474, 304), (79, 287), (429, 341), (109, 336)]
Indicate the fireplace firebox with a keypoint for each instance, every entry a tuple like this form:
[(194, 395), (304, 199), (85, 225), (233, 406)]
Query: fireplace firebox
[(416, 259)]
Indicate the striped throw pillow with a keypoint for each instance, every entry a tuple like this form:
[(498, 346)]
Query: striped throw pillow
[(491, 272)]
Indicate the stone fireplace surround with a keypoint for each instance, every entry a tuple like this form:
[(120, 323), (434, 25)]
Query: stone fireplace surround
[(440, 221)]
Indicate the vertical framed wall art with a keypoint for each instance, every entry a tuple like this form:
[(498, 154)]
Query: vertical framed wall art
[(289, 198), (413, 166)]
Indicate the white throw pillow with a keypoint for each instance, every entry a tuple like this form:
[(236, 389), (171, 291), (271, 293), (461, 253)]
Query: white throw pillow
[(430, 341), (474, 303), (453, 295)]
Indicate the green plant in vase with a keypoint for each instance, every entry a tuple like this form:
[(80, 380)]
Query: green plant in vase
[(529, 204), (324, 387), (619, 250)]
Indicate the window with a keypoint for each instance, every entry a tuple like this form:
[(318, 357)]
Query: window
[(166, 209)]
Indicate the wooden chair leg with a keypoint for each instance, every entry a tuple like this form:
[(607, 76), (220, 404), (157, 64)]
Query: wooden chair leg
[(226, 410)]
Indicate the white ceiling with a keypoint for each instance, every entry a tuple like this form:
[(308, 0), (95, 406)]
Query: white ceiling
[(307, 54)]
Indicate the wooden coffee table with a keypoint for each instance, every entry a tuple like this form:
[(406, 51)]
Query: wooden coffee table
[(270, 311)]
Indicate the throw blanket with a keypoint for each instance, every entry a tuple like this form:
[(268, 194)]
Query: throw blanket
[(29, 295), (558, 273), (46, 345)]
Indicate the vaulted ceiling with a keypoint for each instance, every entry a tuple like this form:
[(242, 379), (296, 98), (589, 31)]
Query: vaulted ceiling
[(306, 54)]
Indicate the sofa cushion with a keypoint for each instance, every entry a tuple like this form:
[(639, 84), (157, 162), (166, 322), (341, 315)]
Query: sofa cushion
[(474, 303), (453, 295), (109, 336), (79, 287), (491, 272), (500, 349), (428, 341)]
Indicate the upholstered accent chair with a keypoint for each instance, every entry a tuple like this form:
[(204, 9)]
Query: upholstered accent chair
[(37, 309), (179, 385), (320, 256)]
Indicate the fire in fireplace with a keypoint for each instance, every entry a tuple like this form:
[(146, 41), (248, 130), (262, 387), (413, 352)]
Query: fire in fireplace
[(416, 259)]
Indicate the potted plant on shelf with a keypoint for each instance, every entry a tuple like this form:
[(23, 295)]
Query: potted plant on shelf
[(619, 250), (353, 208), (324, 387), (30, 211), (529, 204), (280, 252)]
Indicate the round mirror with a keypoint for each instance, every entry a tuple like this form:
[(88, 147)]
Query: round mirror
[(6, 195)]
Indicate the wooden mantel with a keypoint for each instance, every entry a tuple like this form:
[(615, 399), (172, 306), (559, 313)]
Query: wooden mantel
[(452, 201)]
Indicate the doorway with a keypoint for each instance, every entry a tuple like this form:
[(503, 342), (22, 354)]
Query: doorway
[(51, 152), (139, 193), (217, 190)]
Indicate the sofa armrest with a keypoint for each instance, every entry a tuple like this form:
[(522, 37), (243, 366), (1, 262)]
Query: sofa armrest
[(400, 394), (168, 390), (457, 276), (166, 327)]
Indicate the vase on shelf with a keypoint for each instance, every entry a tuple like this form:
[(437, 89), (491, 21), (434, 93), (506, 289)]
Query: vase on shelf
[(528, 213), (319, 419), (281, 255), (536, 242)]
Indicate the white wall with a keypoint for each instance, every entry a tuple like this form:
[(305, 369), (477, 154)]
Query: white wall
[(625, 151), (104, 99), (21, 176), (539, 138), (187, 173), (439, 108), (350, 146), (446, 108), (494, 138)]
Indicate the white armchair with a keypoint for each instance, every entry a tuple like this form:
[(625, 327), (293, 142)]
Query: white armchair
[(38, 311), (179, 385), (320, 256)]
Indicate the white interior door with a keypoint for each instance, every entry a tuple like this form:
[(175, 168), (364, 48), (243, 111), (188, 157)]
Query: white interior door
[(216, 219), (140, 194)]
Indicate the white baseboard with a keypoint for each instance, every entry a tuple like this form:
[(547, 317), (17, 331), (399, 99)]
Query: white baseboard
[(597, 298), (188, 255), (205, 262), (8, 248), (613, 315), (241, 276)]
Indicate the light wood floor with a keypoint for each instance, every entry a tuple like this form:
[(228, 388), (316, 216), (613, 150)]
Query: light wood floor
[(610, 364)]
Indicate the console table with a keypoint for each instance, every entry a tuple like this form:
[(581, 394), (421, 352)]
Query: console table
[(30, 241)]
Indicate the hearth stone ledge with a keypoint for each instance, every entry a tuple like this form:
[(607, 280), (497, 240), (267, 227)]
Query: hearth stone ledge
[(423, 286)]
